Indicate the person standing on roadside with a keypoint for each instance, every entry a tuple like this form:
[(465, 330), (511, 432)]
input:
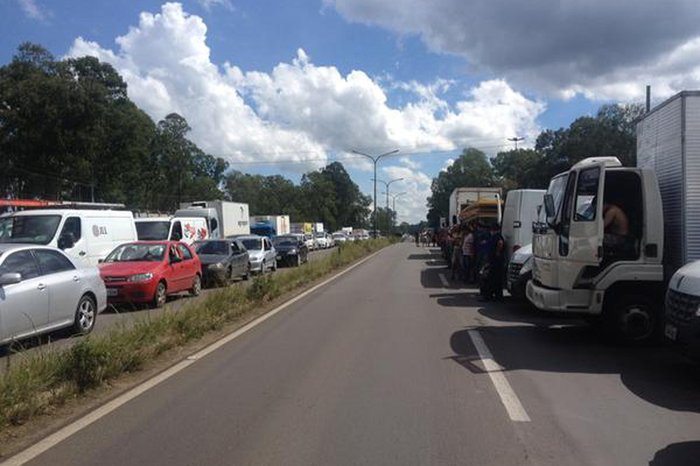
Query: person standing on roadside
[(497, 260), (481, 246), (457, 252), (468, 255)]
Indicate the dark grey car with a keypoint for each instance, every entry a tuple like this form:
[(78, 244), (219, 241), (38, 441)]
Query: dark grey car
[(291, 250), (223, 260)]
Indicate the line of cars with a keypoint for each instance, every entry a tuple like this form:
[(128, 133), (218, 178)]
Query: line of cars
[(43, 288)]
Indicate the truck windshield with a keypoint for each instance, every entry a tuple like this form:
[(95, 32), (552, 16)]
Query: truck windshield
[(153, 231), (556, 188), (34, 229)]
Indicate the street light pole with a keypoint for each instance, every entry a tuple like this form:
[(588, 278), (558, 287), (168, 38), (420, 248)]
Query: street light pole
[(394, 196), (374, 160), (387, 184)]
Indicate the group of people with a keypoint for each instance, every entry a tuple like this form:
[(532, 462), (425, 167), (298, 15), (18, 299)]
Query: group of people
[(475, 253)]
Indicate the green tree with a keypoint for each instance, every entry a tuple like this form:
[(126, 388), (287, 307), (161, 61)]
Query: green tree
[(517, 168)]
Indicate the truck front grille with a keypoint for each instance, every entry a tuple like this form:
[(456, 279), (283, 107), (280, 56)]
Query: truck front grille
[(681, 307)]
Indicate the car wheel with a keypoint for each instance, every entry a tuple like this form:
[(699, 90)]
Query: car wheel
[(298, 260), (274, 266), (196, 289), (246, 276), (85, 315), (160, 296)]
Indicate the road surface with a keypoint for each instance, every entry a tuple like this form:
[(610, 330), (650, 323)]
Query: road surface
[(395, 364)]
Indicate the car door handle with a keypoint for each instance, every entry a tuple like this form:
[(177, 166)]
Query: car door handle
[(41, 287), (76, 278), (81, 253)]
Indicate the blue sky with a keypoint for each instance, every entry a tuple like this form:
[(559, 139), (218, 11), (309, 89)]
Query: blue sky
[(282, 86)]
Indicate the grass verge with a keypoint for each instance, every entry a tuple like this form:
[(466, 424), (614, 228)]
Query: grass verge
[(41, 382)]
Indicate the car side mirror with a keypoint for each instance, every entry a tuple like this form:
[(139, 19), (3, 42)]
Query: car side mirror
[(66, 241), (10, 278), (100, 261)]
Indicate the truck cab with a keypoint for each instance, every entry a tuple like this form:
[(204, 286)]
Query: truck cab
[(580, 268)]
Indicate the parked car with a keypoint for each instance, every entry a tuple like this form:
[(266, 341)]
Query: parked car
[(339, 237), (262, 253), (519, 272), (150, 271), (310, 241), (322, 240), (43, 290), (223, 260), (291, 250)]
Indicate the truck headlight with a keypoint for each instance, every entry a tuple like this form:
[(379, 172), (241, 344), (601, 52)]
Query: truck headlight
[(140, 277), (527, 266)]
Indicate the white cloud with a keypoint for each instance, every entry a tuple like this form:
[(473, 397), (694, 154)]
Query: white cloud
[(448, 164), (410, 207), (598, 48), (210, 4), (33, 10), (301, 111)]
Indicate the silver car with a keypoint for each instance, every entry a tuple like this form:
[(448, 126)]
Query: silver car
[(42, 289), (261, 252)]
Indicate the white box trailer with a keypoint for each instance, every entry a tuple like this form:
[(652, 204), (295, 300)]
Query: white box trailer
[(463, 197), (519, 213), (224, 218), (280, 223), (668, 142)]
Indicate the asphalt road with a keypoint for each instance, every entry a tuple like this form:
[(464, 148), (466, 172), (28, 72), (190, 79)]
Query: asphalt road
[(122, 315), (393, 363)]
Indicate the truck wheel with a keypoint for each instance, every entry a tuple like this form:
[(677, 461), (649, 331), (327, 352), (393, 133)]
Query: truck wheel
[(631, 318)]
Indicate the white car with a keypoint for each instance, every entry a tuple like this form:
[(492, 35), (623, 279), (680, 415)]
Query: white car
[(261, 252), (310, 242), (322, 240), (339, 237), (44, 290)]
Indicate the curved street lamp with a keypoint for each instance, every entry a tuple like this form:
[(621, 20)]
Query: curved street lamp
[(374, 160)]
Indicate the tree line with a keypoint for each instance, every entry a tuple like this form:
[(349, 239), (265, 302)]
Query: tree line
[(68, 131), (611, 132)]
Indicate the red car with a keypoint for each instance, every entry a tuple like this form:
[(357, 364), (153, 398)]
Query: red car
[(149, 271)]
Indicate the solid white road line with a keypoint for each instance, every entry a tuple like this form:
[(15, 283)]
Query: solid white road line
[(508, 397), (444, 281), (69, 430)]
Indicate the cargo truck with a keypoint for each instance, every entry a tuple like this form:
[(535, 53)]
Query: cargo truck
[(462, 198), (224, 218), (270, 225), (620, 280)]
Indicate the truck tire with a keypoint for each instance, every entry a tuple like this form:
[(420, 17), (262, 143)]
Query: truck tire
[(631, 318)]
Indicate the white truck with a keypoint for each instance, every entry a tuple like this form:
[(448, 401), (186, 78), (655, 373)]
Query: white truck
[(463, 197), (87, 235), (185, 229), (270, 225), (224, 218), (579, 268), (521, 210)]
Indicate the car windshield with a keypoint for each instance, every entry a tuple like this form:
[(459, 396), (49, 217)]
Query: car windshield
[(153, 230), (556, 188), (35, 229), (218, 248), (252, 244), (285, 241), (135, 252), (320, 235)]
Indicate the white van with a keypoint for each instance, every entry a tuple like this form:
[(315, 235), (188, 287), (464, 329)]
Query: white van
[(85, 235), (185, 229), (519, 213)]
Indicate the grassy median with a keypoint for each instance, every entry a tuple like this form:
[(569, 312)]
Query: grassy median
[(40, 382)]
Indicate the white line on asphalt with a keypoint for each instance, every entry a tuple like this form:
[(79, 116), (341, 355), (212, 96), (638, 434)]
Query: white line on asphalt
[(444, 281), (71, 429), (508, 397)]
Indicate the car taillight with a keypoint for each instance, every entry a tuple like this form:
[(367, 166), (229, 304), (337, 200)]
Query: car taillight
[(516, 247)]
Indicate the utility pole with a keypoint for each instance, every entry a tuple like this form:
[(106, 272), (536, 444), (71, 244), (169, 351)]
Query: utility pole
[(387, 184), (374, 160), (394, 196), (515, 140)]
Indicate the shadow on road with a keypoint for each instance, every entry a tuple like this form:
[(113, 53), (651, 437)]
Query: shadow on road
[(678, 454)]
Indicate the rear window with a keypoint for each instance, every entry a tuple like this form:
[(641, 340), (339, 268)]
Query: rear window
[(252, 243)]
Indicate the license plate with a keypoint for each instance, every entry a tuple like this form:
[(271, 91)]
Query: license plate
[(279, 257), (671, 332), (112, 291)]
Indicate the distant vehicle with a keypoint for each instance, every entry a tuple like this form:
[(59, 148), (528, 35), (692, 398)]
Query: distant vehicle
[(519, 213), (318, 227), (84, 235), (519, 272), (464, 197), (223, 218), (291, 250), (185, 229), (262, 253), (270, 225), (223, 260), (149, 271), (310, 241), (322, 240), (339, 237), (44, 290), (304, 227)]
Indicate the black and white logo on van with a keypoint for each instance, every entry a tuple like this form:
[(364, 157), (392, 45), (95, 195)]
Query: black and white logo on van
[(98, 230)]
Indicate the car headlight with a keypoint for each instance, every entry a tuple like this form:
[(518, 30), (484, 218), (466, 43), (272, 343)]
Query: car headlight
[(140, 277), (527, 266), (292, 251), (218, 265)]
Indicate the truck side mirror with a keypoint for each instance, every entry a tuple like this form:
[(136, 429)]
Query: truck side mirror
[(549, 206)]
